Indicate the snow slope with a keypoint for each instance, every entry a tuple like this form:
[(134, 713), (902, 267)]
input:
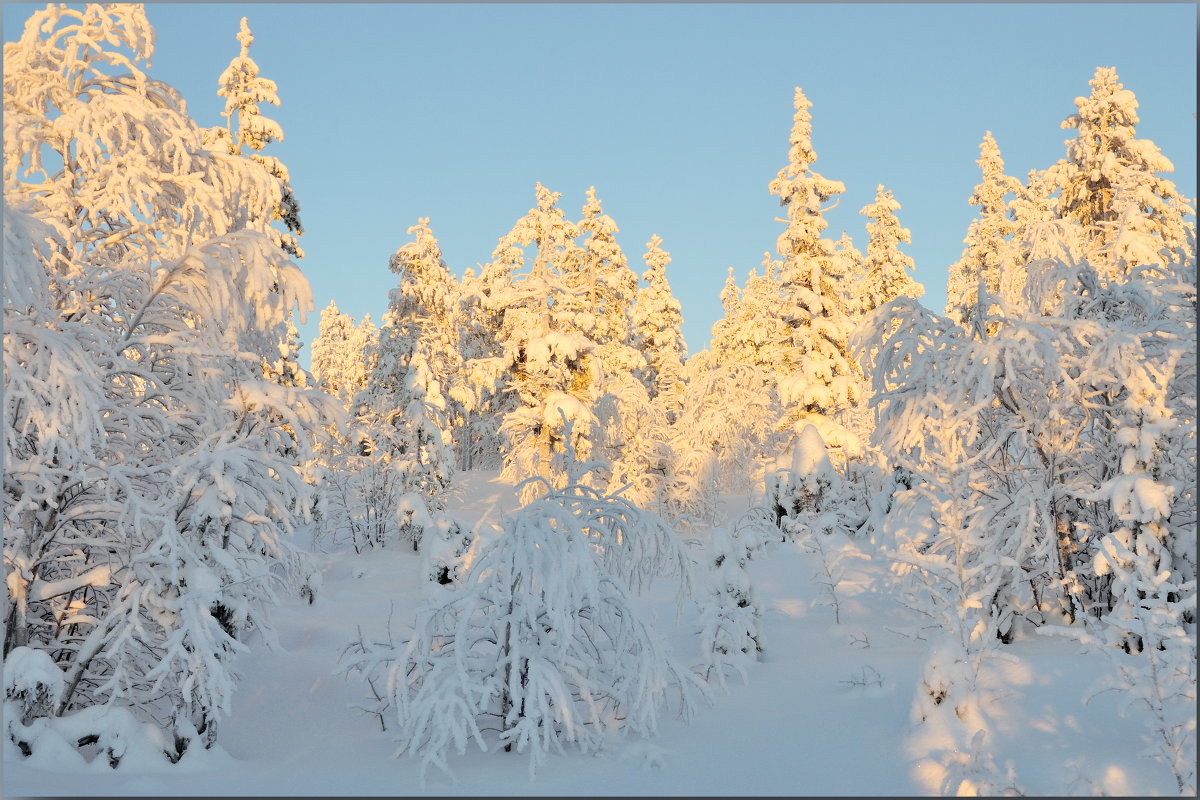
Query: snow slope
[(826, 712)]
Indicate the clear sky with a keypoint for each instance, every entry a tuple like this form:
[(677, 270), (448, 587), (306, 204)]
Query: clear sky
[(678, 114)]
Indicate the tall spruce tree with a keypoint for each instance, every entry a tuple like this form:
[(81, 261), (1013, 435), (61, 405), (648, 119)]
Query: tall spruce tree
[(406, 393), (658, 332), (1105, 154), (886, 268), (818, 377), (248, 129), (605, 288), (985, 242), (342, 353), (547, 368)]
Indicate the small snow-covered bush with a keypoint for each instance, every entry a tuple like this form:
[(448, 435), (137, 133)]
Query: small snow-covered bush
[(803, 479), (542, 646), (33, 684), (752, 532), (445, 552), (730, 632)]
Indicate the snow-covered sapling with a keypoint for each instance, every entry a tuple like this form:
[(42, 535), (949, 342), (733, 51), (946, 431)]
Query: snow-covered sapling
[(444, 550), (803, 479), (730, 620), (542, 646)]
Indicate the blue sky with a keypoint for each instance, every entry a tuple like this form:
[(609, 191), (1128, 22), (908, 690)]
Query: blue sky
[(678, 113)]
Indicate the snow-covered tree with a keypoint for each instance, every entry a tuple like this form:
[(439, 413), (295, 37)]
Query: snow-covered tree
[(818, 375), (658, 333), (724, 331), (285, 368), (342, 353), (604, 288), (542, 647), (357, 490), (803, 481), (480, 394), (549, 368), (418, 356), (248, 129), (730, 626), (1106, 153), (426, 299), (887, 267), (142, 267), (727, 422), (635, 435), (403, 416), (1153, 599), (752, 332), (1037, 233), (983, 258)]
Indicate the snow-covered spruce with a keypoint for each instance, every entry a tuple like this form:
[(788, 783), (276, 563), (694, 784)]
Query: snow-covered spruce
[(730, 619), (983, 258), (803, 481), (1105, 158), (657, 320)]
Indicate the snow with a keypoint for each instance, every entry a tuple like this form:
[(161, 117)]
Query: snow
[(1000, 584), (825, 712), (809, 457)]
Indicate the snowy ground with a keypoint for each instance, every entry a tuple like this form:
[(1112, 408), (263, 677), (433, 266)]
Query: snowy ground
[(826, 713)]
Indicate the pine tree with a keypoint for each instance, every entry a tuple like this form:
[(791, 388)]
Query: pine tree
[(286, 369), (427, 298), (341, 353), (247, 128), (1037, 234), (405, 411), (722, 342), (1105, 154), (481, 395), (658, 333), (549, 369), (605, 287), (752, 332), (818, 376), (985, 241), (853, 267), (886, 268)]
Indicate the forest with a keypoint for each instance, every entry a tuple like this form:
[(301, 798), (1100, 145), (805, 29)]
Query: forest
[(1016, 470)]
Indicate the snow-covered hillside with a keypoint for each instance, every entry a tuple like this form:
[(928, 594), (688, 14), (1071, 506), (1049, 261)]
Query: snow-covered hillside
[(826, 712)]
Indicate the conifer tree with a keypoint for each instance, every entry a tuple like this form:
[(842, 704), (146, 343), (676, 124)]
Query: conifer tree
[(1105, 154), (427, 299), (818, 376), (286, 369), (985, 241), (752, 332), (549, 368), (658, 333), (721, 343), (340, 354), (605, 288), (1036, 232), (887, 267), (247, 128), (405, 407), (853, 267), (480, 394)]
